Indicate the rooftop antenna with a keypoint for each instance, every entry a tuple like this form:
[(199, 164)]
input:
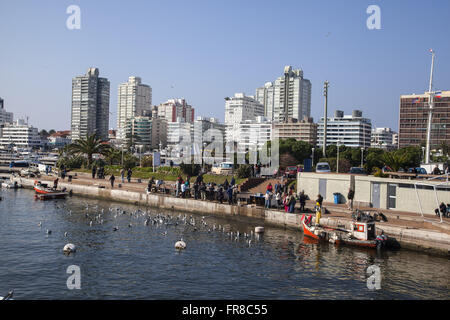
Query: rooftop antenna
[(430, 113)]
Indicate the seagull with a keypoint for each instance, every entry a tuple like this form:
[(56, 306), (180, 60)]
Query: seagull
[(115, 228), (49, 231), (65, 234), (180, 244)]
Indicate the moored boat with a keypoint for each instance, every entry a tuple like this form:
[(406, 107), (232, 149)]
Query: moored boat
[(362, 234), (43, 192)]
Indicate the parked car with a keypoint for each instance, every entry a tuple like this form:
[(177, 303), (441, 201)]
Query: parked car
[(323, 167), (291, 171), (357, 170), (417, 170), (223, 168)]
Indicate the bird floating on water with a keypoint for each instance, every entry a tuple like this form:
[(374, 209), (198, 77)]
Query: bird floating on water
[(180, 244), (69, 248)]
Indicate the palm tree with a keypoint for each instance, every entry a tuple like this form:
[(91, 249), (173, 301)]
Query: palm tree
[(395, 160), (88, 146), (113, 155)]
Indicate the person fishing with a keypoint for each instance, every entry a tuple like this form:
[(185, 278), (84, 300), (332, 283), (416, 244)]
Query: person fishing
[(55, 183)]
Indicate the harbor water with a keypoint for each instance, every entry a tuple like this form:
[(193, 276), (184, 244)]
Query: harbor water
[(139, 260)]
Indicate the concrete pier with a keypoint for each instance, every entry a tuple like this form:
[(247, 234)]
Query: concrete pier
[(421, 239)]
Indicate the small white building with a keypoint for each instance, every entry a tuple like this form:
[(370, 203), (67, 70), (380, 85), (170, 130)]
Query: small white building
[(350, 130), (20, 135), (383, 138)]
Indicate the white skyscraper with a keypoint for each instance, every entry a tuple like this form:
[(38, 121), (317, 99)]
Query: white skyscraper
[(238, 109), (134, 100), (289, 97)]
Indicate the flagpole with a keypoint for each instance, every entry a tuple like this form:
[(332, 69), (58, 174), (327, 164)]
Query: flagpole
[(430, 113)]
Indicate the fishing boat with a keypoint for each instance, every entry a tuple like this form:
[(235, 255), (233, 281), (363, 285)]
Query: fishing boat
[(43, 192), (361, 234)]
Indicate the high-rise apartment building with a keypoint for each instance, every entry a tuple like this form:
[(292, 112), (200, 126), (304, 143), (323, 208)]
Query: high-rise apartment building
[(288, 97), (90, 105), (134, 99), (238, 109), (413, 120), (174, 110), (5, 117), (265, 95), (349, 130)]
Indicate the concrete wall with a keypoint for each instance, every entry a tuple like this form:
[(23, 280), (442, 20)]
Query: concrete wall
[(406, 198)]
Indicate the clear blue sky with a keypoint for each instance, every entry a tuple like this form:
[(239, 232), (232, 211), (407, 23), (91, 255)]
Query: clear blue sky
[(208, 50)]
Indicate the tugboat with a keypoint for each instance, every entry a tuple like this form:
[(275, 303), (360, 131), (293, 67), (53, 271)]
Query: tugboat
[(362, 234)]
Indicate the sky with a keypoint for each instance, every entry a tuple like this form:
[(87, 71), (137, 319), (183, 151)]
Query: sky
[(204, 51)]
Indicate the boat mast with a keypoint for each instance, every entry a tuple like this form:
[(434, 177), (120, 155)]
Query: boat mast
[(430, 113)]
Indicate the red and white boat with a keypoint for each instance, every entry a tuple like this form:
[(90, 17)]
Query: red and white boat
[(43, 192), (362, 234)]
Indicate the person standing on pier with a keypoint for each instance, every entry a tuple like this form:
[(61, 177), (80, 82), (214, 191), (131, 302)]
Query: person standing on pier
[(233, 182), (55, 183), (230, 194), (112, 178), (302, 199), (350, 196), (129, 173), (267, 197), (94, 171), (292, 202), (122, 175)]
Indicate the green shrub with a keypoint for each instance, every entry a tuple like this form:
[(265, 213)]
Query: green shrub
[(244, 171)]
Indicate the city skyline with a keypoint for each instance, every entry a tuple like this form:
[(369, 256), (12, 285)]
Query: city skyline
[(197, 63)]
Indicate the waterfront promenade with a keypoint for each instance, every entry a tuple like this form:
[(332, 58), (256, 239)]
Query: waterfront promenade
[(408, 229)]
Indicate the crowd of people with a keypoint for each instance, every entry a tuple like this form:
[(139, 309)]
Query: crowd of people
[(199, 190)]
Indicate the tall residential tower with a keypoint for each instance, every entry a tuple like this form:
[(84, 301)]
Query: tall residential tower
[(134, 100), (288, 97), (90, 105)]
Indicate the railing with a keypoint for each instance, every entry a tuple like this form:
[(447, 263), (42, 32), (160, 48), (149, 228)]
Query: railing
[(433, 185)]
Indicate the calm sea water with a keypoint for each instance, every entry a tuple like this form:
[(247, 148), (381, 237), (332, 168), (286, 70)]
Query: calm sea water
[(140, 262)]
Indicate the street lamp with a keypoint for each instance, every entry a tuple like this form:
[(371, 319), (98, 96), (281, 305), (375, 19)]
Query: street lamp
[(203, 155), (312, 157), (337, 162), (362, 156)]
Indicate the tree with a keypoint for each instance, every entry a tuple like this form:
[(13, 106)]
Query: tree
[(301, 150), (88, 146), (445, 148), (395, 159), (113, 156), (373, 159)]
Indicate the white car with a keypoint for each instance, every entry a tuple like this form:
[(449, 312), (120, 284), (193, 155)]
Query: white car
[(323, 167)]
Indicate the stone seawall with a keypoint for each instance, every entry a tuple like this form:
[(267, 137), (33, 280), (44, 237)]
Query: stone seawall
[(417, 239)]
